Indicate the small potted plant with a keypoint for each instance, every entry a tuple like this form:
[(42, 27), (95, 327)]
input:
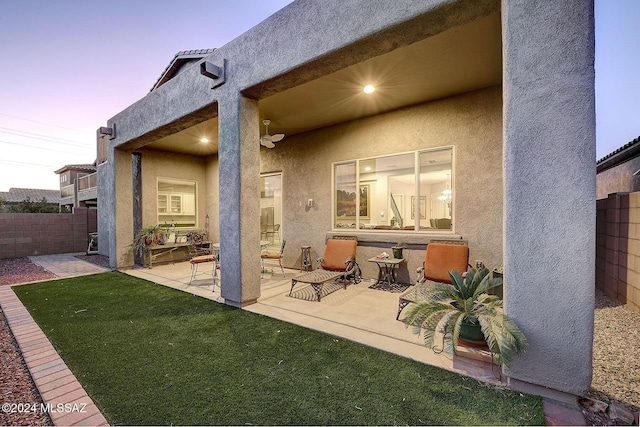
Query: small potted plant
[(147, 236), (196, 237), (465, 310), (397, 250)]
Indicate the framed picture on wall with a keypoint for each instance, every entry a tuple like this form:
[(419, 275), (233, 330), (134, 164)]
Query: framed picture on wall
[(423, 207), (346, 202), (365, 202)]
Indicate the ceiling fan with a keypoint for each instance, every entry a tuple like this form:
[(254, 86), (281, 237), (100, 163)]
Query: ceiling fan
[(268, 140)]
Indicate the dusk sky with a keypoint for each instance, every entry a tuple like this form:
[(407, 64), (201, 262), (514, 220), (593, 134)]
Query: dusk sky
[(70, 65)]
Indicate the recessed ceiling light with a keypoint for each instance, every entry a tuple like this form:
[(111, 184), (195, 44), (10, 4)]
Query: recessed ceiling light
[(369, 89), (367, 169), (204, 140)]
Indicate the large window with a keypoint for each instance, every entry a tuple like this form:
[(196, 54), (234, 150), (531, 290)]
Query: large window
[(409, 191), (176, 202)]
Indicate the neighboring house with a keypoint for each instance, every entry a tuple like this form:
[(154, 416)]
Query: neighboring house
[(17, 195), (619, 171), (481, 127), (78, 186)]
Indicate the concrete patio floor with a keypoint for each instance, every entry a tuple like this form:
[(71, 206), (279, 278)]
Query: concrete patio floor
[(359, 314)]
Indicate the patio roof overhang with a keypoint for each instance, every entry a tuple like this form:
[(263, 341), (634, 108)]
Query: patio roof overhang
[(458, 60)]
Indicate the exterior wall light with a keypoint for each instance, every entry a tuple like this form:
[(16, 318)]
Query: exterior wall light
[(107, 131), (214, 72)]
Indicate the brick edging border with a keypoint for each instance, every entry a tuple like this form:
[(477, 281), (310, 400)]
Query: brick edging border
[(61, 392)]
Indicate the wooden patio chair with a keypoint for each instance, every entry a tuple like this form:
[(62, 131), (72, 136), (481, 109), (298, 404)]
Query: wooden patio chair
[(337, 264), (440, 258)]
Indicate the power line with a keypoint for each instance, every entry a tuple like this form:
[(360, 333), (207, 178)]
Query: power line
[(35, 121), (46, 137), (12, 163), (38, 148)]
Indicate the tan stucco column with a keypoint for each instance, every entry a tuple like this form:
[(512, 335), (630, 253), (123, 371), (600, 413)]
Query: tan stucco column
[(121, 237), (549, 193), (239, 157)]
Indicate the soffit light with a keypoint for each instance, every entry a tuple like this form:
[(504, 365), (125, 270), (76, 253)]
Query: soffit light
[(369, 89), (204, 140)]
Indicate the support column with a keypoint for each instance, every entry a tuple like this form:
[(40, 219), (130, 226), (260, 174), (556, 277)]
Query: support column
[(239, 157), (549, 193), (121, 237), (136, 183)]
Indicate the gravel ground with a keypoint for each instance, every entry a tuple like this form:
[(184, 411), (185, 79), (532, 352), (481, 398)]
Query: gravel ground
[(616, 354), (17, 386), (99, 260), (21, 270)]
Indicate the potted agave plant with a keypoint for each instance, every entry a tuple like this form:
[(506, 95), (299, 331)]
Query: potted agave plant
[(467, 314)]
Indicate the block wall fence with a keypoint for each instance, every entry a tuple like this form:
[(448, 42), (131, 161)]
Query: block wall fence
[(618, 248), (26, 234)]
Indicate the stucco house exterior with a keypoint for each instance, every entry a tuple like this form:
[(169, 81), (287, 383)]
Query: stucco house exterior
[(477, 105), (78, 186), (619, 171)]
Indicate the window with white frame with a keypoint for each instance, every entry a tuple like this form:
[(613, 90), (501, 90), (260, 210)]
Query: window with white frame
[(176, 202), (408, 191)]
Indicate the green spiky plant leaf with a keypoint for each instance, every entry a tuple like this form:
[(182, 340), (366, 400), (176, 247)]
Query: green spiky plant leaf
[(467, 300)]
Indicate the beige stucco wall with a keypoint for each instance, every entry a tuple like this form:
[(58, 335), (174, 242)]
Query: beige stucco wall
[(160, 164), (618, 179), (124, 208), (471, 123), (155, 164)]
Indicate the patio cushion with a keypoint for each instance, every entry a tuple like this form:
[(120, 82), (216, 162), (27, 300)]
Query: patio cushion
[(441, 258), (337, 253), (201, 258)]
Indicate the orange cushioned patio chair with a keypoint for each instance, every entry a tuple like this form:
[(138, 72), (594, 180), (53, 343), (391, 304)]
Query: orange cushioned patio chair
[(439, 259), (337, 264)]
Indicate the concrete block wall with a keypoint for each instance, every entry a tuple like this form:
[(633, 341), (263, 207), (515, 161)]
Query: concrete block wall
[(25, 234), (618, 248)]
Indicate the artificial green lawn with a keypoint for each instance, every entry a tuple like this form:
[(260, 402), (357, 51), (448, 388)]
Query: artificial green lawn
[(147, 354)]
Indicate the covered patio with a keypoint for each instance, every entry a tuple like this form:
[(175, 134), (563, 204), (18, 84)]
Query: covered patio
[(481, 95), (359, 314)]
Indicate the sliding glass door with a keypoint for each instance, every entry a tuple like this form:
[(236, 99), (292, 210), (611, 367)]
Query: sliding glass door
[(271, 209)]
